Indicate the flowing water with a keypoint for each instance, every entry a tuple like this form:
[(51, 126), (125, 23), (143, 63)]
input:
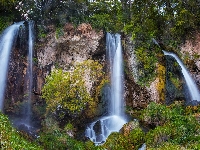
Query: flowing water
[(99, 130), (7, 40), (30, 70), (192, 87), (117, 75)]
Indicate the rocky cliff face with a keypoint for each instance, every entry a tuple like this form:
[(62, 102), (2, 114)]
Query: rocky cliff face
[(63, 51), (136, 96)]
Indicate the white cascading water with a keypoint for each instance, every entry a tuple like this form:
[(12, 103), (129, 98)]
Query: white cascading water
[(24, 123), (192, 87), (116, 119), (117, 75), (29, 71), (7, 39)]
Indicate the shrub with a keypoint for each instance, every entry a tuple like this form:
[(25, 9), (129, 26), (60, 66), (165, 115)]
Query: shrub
[(172, 125), (156, 114), (117, 141), (136, 138), (66, 91)]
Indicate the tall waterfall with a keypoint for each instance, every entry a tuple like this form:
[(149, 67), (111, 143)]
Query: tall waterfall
[(114, 53), (116, 119), (7, 39), (192, 87), (30, 70)]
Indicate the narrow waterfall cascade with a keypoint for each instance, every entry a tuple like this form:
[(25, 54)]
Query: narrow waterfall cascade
[(30, 70), (24, 123), (192, 87), (117, 75), (7, 40), (99, 130)]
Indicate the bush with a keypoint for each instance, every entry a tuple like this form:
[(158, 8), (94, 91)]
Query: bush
[(156, 114), (117, 141), (66, 91), (172, 125), (136, 138)]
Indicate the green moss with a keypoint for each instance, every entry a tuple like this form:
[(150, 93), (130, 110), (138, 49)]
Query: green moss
[(167, 146), (157, 136)]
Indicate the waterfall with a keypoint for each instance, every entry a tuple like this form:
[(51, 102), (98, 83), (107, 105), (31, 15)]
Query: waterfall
[(7, 40), (192, 87), (30, 70), (99, 130), (114, 49)]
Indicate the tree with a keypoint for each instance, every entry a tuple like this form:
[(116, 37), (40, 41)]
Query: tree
[(66, 92)]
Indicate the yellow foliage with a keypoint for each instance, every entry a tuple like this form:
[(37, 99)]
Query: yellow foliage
[(161, 81)]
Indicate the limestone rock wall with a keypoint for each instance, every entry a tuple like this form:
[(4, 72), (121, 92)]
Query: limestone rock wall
[(75, 45)]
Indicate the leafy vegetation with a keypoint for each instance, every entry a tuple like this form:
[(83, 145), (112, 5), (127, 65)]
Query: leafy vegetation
[(172, 127), (66, 91), (10, 137)]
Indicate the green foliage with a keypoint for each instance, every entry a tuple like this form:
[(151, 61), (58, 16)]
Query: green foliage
[(69, 126), (167, 146), (146, 64), (67, 90), (106, 15), (156, 114), (117, 141), (7, 4), (11, 139), (58, 139), (5, 21), (157, 136), (171, 125), (59, 32), (41, 32), (136, 138)]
